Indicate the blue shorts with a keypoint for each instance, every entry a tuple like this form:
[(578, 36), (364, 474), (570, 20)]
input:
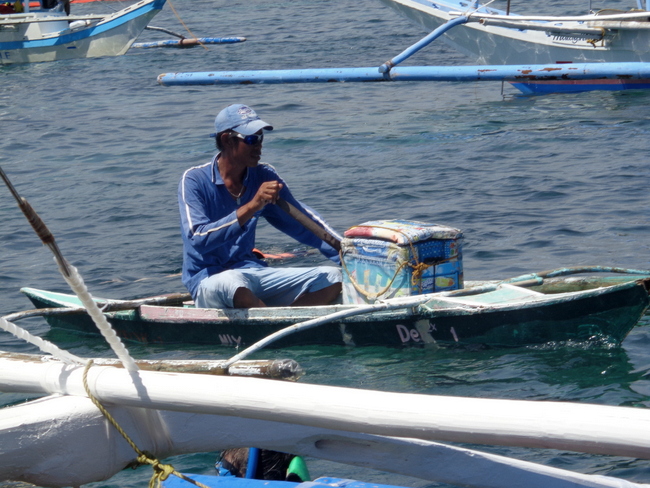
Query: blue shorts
[(276, 287)]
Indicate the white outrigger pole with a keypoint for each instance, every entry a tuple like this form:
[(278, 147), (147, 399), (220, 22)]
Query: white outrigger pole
[(386, 431)]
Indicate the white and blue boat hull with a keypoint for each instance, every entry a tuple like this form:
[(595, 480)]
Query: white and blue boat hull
[(39, 41), (488, 40)]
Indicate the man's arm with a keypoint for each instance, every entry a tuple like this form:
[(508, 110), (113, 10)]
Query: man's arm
[(290, 226)]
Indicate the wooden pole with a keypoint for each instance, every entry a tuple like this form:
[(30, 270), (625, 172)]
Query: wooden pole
[(280, 369), (314, 227)]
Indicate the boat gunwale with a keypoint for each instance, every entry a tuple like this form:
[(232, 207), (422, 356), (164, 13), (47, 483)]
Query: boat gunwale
[(182, 314), (452, 8)]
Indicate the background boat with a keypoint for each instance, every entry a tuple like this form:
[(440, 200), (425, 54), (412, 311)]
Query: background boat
[(534, 183), (496, 36), (39, 36)]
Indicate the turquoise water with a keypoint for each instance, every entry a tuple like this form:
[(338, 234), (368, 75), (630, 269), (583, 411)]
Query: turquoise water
[(97, 147)]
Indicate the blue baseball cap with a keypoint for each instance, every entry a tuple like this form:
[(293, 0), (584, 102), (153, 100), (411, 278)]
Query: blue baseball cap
[(240, 118)]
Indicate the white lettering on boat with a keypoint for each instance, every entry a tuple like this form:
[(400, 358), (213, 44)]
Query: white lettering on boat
[(453, 333), (577, 38), (227, 339), (406, 334)]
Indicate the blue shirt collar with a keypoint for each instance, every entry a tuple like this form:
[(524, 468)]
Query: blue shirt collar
[(216, 176)]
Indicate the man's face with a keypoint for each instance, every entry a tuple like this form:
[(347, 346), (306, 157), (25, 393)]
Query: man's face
[(248, 148)]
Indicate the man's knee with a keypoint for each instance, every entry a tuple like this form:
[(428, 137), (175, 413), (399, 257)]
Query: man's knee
[(245, 298), (218, 291), (331, 274)]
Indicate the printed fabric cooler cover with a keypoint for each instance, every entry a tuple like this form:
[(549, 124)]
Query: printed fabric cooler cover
[(392, 258)]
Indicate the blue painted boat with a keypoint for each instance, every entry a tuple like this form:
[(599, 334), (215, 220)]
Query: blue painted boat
[(51, 35)]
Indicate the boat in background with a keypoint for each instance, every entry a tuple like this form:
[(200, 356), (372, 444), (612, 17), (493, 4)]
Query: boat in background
[(495, 37), (516, 312), (51, 35)]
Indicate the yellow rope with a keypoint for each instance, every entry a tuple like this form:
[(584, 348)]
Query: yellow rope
[(160, 471), (602, 37)]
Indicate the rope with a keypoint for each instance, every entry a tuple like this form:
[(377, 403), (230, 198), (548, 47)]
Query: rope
[(42, 344), (72, 277), (418, 267), (160, 471), (602, 37), (171, 5), (75, 281), (368, 295)]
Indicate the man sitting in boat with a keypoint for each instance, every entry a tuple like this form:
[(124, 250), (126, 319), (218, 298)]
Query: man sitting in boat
[(220, 203)]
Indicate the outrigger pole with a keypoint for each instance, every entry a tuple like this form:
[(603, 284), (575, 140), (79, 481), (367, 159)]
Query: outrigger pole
[(184, 42), (389, 71), (187, 42), (514, 73), (425, 41)]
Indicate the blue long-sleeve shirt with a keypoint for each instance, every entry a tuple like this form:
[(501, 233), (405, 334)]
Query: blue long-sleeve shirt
[(213, 240)]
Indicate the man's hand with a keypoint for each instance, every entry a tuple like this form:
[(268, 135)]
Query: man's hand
[(268, 192)]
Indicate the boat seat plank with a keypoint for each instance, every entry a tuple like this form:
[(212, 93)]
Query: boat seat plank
[(505, 293)]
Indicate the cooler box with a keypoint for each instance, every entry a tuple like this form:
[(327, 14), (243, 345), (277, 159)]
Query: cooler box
[(392, 258)]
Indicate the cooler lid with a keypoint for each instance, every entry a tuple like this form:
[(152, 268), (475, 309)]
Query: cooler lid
[(402, 232)]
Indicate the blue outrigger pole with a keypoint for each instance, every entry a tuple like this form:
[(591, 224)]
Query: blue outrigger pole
[(425, 41), (188, 42), (184, 42), (531, 73), (390, 72)]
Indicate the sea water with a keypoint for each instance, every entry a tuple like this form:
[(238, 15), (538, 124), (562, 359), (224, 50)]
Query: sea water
[(535, 183)]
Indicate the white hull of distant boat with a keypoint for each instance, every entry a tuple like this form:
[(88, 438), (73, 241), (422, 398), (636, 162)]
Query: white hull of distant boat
[(492, 37), (40, 36)]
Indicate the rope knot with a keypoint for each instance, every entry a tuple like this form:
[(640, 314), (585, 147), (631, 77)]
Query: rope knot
[(161, 473), (145, 458), (418, 269)]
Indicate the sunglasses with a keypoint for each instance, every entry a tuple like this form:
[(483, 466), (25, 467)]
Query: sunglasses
[(250, 140)]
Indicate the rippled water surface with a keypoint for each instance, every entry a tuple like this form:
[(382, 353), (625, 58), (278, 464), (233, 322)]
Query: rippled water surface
[(535, 183)]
